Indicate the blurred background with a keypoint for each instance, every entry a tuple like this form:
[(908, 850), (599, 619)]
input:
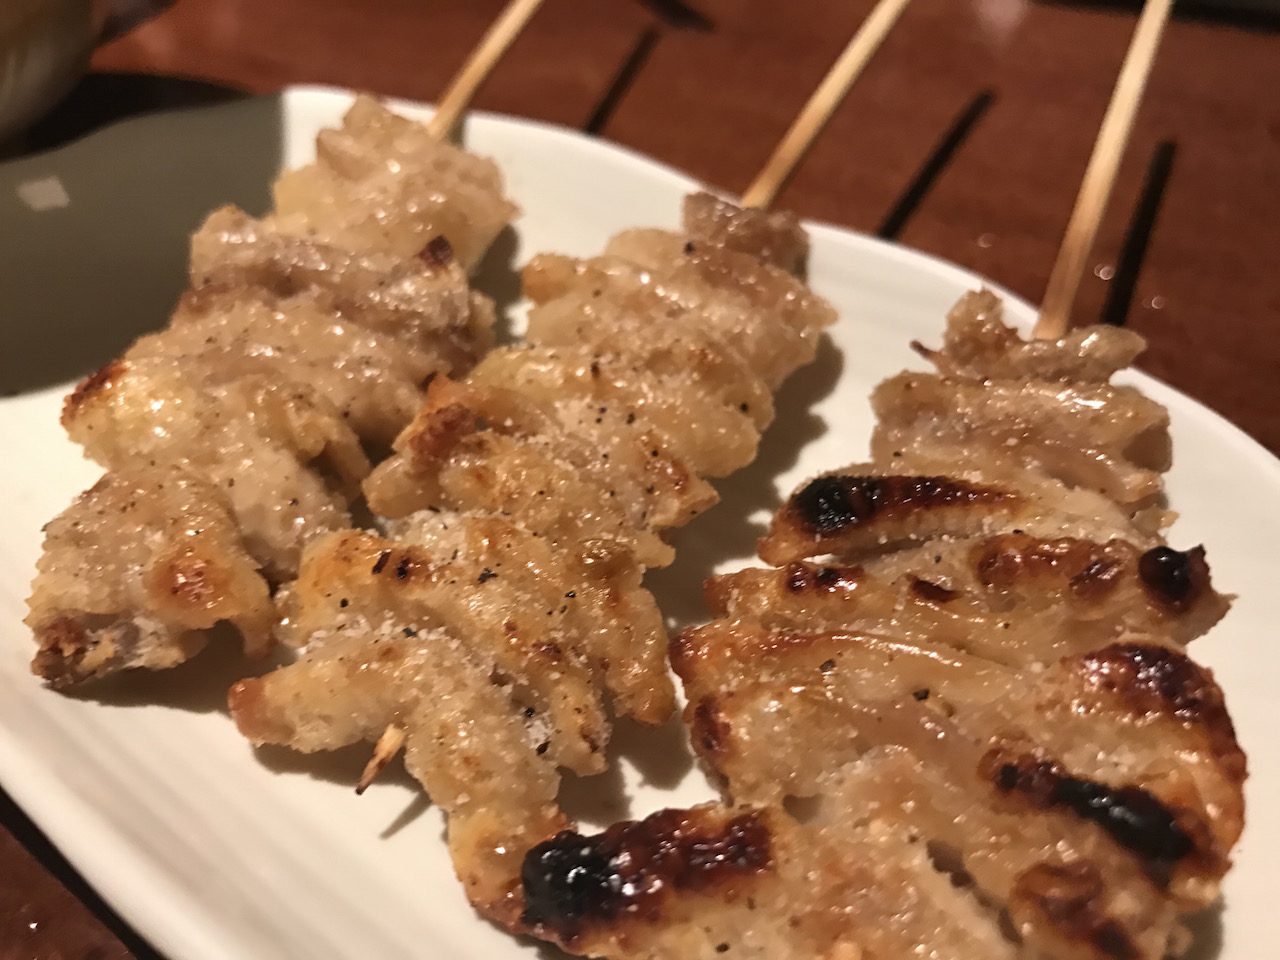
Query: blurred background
[(966, 139)]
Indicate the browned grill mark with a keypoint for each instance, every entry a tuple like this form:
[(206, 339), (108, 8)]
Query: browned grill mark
[(1068, 900), (1151, 680), (1097, 580), (1091, 569), (190, 580), (1174, 578), (932, 592), (1156, 679), (836, 502), (63, 645), (803, 578), (97, 382), (572, 881), (438, 432), (709, 730), (1132, 816), (437, 253)]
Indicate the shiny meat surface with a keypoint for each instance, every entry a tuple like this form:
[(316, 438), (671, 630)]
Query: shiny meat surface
[(136, 571), (296, 356), (875, 508), (958, 710), (1012, 598), (382, 183), (977, 345), (1047, 406), (891, 859), (768, 235), (1010, 777), (527, 501), (211, 422), (422, 303)]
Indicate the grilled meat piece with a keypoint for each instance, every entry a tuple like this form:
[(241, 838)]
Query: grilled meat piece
[(210, 421), (475, 447), (1093, 436), (300, 351), (977, 345), (136, 571), (1046, 406), (891, 861), (1112, 716), (490, 651), (1013, 598), (971, 730), (1042, 770), (651, 279), (870, 509), (422, 303), (529, 500), (769, 236), (383, 183)]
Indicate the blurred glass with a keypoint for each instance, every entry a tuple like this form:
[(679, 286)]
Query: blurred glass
[(45, 47)]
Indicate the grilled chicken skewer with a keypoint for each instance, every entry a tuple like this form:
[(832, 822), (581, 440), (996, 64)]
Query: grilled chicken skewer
[(958, 720), (958, 717), (501, 621), (239, 433), (301, 349), (502, 618)]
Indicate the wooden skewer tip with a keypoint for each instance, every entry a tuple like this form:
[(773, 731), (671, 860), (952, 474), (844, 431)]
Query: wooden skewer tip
[(464, 86), (384, 751)]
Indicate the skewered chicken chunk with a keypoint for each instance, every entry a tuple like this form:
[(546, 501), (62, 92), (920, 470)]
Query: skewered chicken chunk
[(383, 183), (894, 859), (957, 719), (527, 502), (1011, 597), (300, 351), (869, 509), (1059, 415), (168, 563)]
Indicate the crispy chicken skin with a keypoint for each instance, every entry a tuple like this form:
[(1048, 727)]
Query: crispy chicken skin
[(1046, 406), (135, 572), (957, 718), (383, 183), (1011, 597), (300, 351), (526, 502)]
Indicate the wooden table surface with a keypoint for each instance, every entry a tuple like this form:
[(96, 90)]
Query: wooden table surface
[(966, 139)]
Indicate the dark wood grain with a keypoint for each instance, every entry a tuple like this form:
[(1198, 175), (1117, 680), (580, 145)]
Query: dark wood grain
[(966, 138)]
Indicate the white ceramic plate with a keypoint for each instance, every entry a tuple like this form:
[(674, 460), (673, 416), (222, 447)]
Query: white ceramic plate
[(214, 852)]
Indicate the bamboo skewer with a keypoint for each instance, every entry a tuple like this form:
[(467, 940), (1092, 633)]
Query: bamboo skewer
[(779, 167), (453, 104), (458, 95), (822, 104), (1100, 175), (384, 751)]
